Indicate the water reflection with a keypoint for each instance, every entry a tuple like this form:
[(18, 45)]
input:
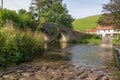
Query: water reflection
[(92, 55), (86, 53), (56, 46), (64, 45), (106, 45)]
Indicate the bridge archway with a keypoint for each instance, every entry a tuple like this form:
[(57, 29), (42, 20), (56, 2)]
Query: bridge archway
[(64, 37)]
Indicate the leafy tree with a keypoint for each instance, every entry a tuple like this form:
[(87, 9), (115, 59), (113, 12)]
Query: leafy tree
[(113, 8), (23, 19), (27, 19), (106, 19), (8, 15), (53, 11)]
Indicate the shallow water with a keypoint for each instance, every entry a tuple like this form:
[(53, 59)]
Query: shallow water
[(88, 54)]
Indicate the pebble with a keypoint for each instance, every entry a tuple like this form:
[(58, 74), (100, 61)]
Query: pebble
[(56, 71)]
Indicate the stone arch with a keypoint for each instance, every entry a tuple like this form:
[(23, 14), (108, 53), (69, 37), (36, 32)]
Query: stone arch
[(64, 37)]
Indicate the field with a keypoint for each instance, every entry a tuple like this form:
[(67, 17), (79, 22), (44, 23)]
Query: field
[(85, 23)]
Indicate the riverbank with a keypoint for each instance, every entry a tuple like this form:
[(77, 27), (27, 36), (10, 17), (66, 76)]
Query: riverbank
[(56, 71)]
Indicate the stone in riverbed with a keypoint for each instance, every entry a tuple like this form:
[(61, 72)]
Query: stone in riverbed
[(27, 74), (83, 76), (19, 71), (9, 72), (106, 78), (79, 72)]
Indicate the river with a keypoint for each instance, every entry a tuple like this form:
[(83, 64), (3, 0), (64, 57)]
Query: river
[(87, 62)]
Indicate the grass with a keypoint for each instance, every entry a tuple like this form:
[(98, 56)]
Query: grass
[(85, 23), (94, 41)]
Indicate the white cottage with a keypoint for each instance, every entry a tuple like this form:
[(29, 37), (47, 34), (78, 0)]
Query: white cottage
[(106, 31)]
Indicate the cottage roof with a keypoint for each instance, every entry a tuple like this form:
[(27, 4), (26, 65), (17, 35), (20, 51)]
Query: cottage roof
[(91, 30), (105, 27)]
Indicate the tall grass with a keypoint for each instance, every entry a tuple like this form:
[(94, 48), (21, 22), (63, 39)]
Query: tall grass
[(18, 45)]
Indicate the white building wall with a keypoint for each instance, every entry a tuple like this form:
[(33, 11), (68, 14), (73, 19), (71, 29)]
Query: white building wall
[(105, 32)]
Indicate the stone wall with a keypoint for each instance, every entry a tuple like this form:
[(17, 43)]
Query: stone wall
[(117, 56)]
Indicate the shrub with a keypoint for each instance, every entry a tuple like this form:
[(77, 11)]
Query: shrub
[(22, 20), (6, 15), (19, 46)]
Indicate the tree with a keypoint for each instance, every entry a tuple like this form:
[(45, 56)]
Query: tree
[(106, 19), (53, 11), (8, 15), (113, 8), (27, 19)]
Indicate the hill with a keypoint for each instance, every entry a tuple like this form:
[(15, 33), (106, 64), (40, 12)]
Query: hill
[(85, 23)]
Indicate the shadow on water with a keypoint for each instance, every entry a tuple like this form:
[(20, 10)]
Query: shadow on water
[(56, 46)]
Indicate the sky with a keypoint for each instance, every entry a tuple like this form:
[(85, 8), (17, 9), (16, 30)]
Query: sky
[(77, 8)]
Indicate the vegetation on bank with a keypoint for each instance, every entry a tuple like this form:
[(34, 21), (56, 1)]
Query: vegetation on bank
[(18, 45), (116, 40), (94, 39), (85, 23), (22, 19)]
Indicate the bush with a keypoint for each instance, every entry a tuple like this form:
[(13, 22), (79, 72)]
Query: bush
[(19, 46), (22, 20), (6, 15)]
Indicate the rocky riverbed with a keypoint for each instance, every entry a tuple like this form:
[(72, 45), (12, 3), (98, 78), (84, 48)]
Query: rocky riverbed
[(59, 70)]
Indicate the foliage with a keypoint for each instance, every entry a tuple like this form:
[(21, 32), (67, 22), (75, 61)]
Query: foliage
[(94, 41), (106, 19), (27, 19), (22, 19), (8, 15), (53, 11), (18, 46), (116, 40), (113, 7), (89, 39), (85, 23)]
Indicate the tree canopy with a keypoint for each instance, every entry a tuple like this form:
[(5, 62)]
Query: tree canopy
[(22, 19), (112, 13), (52, 11)]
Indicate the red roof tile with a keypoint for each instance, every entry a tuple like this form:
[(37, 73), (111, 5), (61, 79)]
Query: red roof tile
[(105, 27)]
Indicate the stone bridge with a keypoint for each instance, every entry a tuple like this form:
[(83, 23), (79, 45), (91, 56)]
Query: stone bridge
[(57, 33)]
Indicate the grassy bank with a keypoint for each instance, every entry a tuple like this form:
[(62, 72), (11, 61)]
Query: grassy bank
[(85, 23), (17, 45), (94, 39)]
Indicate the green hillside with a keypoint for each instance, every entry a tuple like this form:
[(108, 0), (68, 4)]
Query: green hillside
[(85, 23)]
